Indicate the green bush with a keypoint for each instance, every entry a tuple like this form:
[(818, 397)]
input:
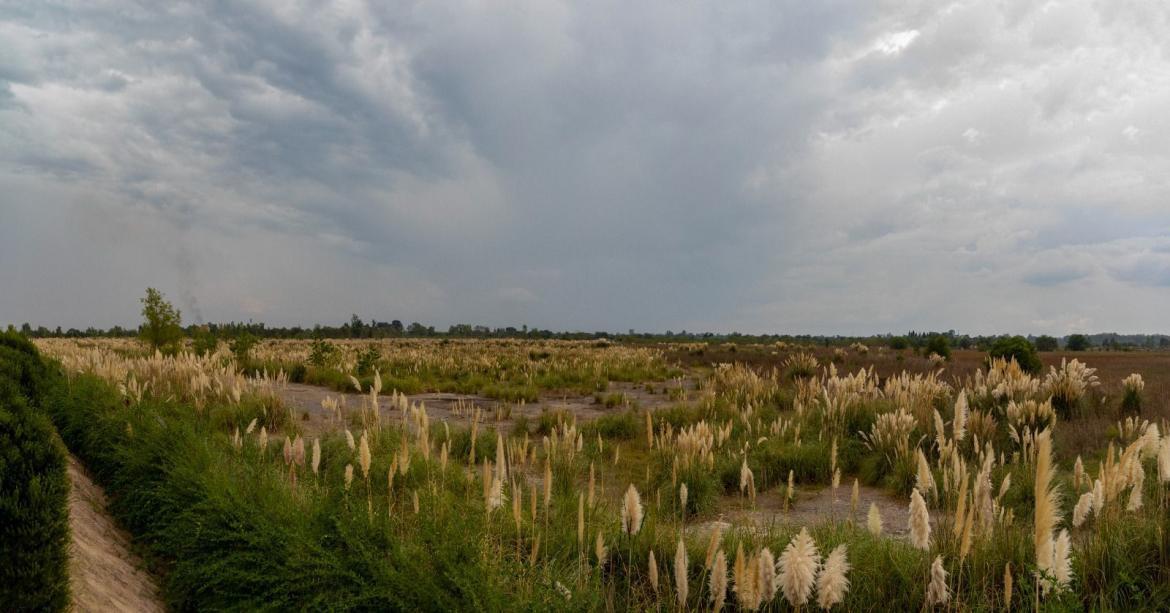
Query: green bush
[(937, 344), (1017, 347), (34, 490)]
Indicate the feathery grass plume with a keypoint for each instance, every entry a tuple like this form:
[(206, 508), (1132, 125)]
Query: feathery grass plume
[(1098, 497), (364, 456), (580, 520), (237, 442), (299, 451), (713, 545), (548, 478), (1004, 486), (287, 451), (517, 511), (1078, 473), (937, 592), (631, 511), (1138, 479), (316, 460), (682, 498), (680, 573), (833, 455), (1007, 586), (854, 500), (496, 497), (414, 500), (919, 524), (1047, 506), (767, 586), (798, 568), (874, 520), (251, 425), (832, 581), (501, 458), (487, 484), (592, 481), (600, 549), (959, 426), (1082, 509), (960, 509), (791, 489), (718, 581), (652, 572), (1062, 562), (649, 431), (924, 479), (965, 537), (263, 438), (348, 476), (349, 440), (741, 587), (1164, 459), (836, 482)]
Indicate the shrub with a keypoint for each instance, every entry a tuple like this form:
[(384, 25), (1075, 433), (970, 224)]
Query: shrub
[(241, 347), (34, 500), (898, 343), (1077, 342), (161, 322), (1017, 347), (939, 345), (1047, 343), (368, 360)]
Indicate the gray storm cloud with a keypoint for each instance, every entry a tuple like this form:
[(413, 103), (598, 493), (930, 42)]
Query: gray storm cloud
[(756, 166)]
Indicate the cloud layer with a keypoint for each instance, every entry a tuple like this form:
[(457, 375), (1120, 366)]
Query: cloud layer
[(767, 166)]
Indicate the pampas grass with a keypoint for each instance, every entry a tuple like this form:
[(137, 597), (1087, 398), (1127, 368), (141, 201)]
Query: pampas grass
[(680, 573), (718, 581), (1047, 507), (652, 572), (832, 581), (919, 522), (874, 520), (631, 511), (798, 568), (937, 592)]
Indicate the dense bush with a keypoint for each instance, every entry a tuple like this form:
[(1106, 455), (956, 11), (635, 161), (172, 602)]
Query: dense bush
[(938, 345), (34, 488), (1017, 347)]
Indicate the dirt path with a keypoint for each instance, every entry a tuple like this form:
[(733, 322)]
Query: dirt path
[(305, 403), (104, 575)]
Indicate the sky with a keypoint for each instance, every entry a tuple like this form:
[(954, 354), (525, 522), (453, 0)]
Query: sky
[(779, 166)]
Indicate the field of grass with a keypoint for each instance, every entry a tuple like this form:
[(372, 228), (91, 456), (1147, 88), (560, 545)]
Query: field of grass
[(1028, 490)]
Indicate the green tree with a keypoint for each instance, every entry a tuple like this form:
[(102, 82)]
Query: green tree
[(1077, 342), (1046, 343), (939, 344), (1017, 347), (162, 322)]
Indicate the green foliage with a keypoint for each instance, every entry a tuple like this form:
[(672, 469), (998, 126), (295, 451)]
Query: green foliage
[(937, 344), (323, 354), (1018, 347), (898, 343), (241, 347), (1047, 343), (614, 426), (368, 360), (161, 322), (1077, 342), (204, 342), (34, 493)]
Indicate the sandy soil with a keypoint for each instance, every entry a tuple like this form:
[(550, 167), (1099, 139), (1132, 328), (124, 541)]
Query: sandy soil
[(305, 403), (104, 575)]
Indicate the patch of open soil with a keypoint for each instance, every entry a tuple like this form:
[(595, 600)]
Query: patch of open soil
[(304, 401), (104, 575), (812, 507)]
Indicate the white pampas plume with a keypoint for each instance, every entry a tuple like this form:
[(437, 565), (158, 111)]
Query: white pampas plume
[(937, 592), (874, 520), (631, 511), (364, 456), (680, 573), (682, 497), (1078, 473), (1047, 505), (263, 438), (316, 456), (1164, 459), (767, 564), (1062, 563), (798, 568), (959, 426), (349, 440), (652, 572), (919, 524), (1098, 497), (832, 582), (924, 480), (251, 426), (1082, 509), (1135, 493), (854, 500), (348, 475), (718, 581), (600, 549)]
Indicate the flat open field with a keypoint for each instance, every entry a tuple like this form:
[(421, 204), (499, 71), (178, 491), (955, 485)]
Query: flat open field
[(500, 474)]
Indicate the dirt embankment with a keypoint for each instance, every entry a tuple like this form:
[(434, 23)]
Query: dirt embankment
[(104, 574)]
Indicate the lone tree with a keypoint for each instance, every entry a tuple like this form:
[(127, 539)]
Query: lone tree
[(161, 322), (1077, 342)]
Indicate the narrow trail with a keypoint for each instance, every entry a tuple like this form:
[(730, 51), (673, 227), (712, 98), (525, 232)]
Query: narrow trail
[(104, 574)]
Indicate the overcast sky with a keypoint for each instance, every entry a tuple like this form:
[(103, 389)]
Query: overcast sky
[(776, 166)]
